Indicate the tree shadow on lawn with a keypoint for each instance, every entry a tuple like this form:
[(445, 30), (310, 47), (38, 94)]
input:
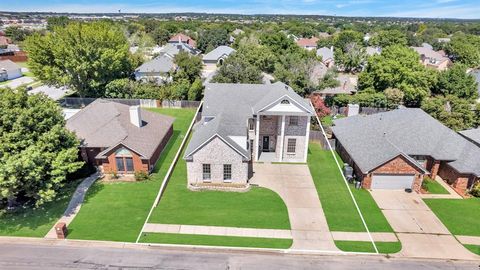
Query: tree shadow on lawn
[(36, 222)]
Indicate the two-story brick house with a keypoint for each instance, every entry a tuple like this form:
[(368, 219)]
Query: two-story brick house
[(244, 123)]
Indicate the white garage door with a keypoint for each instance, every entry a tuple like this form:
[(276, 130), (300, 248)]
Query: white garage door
[(392, 181)]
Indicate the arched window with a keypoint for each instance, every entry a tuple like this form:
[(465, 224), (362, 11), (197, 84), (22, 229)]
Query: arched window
[(285, 101), (123, 152)]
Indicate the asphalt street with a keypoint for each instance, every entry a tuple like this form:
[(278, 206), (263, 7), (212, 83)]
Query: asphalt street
[(37, 256)]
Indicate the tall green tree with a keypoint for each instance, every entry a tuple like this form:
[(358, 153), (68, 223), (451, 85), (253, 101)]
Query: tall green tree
[(465, 49), (237, 69), (189, 67), (456, 81), (387, 38), (211, 38), (60, 21), (37, 152), (454, 112), (160, 35), (398, 67), (82, 56)]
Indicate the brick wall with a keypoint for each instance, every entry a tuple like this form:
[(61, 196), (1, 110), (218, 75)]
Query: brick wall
[(459, 181), (109, 165), (153, 160)]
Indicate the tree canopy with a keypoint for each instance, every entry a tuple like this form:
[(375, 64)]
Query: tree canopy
[(209, 39), (387, 38), (236, 69), (456, 81), (37, 152), (82, 56)]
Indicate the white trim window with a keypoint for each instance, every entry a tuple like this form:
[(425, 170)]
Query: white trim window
[(251, 124), (227, 173), (293, 121), (206, 172), (291, 146)]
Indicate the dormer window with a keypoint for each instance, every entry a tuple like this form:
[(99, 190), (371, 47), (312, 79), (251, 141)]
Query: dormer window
[(285, 102)]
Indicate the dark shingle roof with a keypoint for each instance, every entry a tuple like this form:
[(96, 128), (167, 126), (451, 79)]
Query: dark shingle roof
[(106, 124), (160, 64), (372, 140), (231, 105), (472, 134), (217, 53)]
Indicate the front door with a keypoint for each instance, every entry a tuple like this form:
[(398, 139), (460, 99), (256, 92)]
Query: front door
[(266, 143)]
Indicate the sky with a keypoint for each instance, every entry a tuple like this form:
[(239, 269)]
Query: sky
[(465, 9)]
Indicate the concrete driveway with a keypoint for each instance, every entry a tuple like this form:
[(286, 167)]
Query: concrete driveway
[(422, 234), (295, 186), (18, 82)]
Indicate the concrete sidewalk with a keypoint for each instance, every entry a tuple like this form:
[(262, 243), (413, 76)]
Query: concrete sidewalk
[(363, 236), (74, 204), (294, 184), (217, 230), (468, 240)]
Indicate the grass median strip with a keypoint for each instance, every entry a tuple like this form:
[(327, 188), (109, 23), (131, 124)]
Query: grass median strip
[(211, 240), (358, 246), (117, 211), (460, 216), (336, 202)]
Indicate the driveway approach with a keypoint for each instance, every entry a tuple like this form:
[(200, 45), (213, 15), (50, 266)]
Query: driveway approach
[(422, 234), (295, 186)]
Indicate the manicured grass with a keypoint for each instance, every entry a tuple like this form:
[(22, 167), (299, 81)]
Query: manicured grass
[(462, 217), (36, 222), (327, 121), (336, 202), (357, 246), (117, 211), (433, 187), (257, 208), (211, 240), (473, 248)]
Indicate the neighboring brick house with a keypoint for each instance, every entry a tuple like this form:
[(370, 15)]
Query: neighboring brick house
[(396, 149), (120, 138), (242, 123), (431, 58), (182, 38), (308, 43)]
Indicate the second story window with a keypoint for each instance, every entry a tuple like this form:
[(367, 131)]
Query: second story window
[(251, 124), (293, 121)]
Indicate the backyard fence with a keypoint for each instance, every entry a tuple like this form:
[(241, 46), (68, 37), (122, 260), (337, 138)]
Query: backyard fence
[(180, 104), (317, 136), (74, 102), (363, 110)]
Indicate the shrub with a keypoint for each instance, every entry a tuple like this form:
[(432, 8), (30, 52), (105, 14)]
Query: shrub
[(141, 176), (476, 190)]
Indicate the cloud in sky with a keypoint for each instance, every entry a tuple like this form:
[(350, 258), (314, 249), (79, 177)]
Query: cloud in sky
[(406, 8)]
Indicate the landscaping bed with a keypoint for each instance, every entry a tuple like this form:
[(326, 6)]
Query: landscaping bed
[(211, 240), (117, 211), (433, 187)]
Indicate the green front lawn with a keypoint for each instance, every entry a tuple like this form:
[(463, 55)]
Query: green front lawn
[(36, 222), (433, 187), (257, 208), (337, 204), (357, 246), (211, 240), (462, 217), (473, 248), (117, 211)]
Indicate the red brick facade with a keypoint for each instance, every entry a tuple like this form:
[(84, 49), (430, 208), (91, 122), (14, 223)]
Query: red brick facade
[(108, 165), (398, 165), (459, 181)]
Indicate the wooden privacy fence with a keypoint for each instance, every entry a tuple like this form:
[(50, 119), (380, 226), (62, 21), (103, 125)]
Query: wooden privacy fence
[(317, 136), (180, 104), (363, 110), (74, 102)]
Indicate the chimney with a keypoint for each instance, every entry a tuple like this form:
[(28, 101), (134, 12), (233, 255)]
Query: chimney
[(352, 109), (331, 48), (135, 116)]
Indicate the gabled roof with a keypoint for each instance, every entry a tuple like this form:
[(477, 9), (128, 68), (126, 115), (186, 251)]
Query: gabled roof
[(174, 49), (8, 65), (160, 64), (431, 54), (218, 53), (183, 38), (106, 124), (227, 108), (307, 42), (372, 140), (325, 53), (472, 134)]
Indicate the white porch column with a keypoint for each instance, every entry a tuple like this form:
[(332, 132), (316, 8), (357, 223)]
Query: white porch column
[(257, 138), (282, 138), (307, 138)]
